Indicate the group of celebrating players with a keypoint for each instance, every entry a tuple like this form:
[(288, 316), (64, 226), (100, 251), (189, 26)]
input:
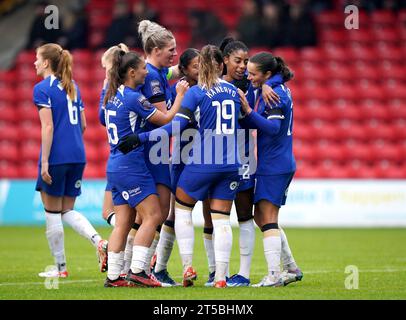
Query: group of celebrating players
[(220, 90)]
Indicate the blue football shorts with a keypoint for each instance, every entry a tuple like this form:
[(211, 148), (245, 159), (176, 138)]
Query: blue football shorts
[(217, 185), (66, 180), (273, 188)]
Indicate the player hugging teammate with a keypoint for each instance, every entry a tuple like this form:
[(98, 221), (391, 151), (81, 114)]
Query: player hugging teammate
[(223, 100)]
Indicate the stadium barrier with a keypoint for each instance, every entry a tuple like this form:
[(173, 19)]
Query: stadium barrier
[(319, 203)]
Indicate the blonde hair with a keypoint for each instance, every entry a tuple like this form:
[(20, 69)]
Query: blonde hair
[(108, 54), (153, 35), (210, 64), (61, 65)]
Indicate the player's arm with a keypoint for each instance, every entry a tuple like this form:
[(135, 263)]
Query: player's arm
[(173, 73), (270, 97), (102, 118), (83, 121), (47, 133), (183, 117), (160, 118), (270, 125)]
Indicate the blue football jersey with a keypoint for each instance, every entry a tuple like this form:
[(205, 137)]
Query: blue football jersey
[(156, 88), (218, 123), (126, 113), (67, 144), (275, 153)]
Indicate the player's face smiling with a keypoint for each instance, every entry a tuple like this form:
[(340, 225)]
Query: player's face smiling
[(256, 77), (140, 73), (168, 53), (192, 70), (237, 64)]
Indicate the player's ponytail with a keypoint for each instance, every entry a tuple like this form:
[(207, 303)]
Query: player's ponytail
[(60, 61), (265, 62), (283, 69), (122, 61), (153, 35), (210, 65), (108, 54), (115, 78), (64, 72)]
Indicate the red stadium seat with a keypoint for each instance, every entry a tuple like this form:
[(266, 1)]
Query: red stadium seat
[(373, 112), (304, 151), (9, 132), (326, 150), (8, 114), (347, 112), (385, 151), (329, 19), (92, 171), (324, 130), (26, 58), (348, 130), (395, 90), (26, 110), (360, 36), (95, 134), (358, 151), (30, 150), (364, 171), (29, 169), (382, 17), (9, 169), (30, 130), (8, 151)]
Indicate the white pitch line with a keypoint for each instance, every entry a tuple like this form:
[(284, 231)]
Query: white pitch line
[(63, 281)]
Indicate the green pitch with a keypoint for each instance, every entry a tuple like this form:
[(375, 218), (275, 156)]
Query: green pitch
[(322, 254)]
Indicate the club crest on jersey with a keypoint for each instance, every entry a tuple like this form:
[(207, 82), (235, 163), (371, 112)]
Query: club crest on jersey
[(125, 195), (78, 184), (145, 103), (155, 87), (233, 185)]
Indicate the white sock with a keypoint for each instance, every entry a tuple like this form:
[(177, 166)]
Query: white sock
[(115, 264), (111, 219), (185, 234), (139, 259), (272, 250), (55, 235), (247, 241), (287, 258), (222, 244), (164, 247), (81, 225), (151, 251), (209, 246), (128, 254)]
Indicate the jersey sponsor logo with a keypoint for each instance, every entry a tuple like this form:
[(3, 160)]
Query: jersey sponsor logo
[(145, 103), (78, 184), (125, 195), (233, 185), (155, 87)]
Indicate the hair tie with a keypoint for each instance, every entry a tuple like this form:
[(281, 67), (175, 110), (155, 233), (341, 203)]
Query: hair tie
[(122, 52)]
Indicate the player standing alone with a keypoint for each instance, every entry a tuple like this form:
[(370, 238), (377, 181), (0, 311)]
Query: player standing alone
[(62, 158)]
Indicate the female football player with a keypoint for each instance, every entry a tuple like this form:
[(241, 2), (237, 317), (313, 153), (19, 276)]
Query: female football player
[(212, 169), (276, 162), (160, 49), (131, 182), (62, 158)]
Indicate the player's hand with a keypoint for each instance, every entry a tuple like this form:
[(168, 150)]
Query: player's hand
[(45, 174), (245, 107), (270, 97), (182, 87), (129, 143)]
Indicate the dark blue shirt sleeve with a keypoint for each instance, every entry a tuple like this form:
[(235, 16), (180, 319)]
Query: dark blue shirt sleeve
[(101, 108)]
